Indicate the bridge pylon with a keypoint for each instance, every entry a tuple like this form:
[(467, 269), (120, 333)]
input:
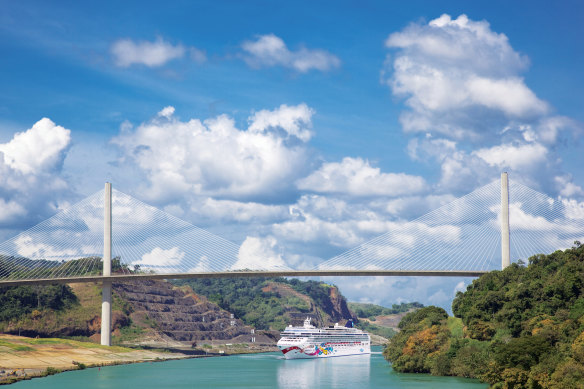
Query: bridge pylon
[(505, 248), (106, 299)]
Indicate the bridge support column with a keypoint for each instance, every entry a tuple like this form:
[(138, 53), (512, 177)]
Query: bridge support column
[(505, 261), (106, 299)]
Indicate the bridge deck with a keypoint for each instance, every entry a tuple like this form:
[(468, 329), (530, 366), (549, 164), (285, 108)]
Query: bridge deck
[(236, 274)]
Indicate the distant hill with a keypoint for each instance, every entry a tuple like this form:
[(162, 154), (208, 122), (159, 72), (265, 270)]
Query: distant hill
[(522, 327), (143, 312), (273, 303), (185, 311), (366, 310), (379, 320)]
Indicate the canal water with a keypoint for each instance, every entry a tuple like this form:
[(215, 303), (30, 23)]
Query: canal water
[(268, 370)]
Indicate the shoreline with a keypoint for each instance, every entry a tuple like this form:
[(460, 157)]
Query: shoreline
[(23, 358)]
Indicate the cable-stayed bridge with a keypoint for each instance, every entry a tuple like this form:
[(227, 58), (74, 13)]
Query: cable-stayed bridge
[(462, 237), (111, 236)]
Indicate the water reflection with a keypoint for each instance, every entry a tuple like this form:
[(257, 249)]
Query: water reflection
[(333, 372)]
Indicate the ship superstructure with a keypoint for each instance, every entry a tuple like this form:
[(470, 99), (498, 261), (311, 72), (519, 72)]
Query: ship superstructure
[(334, 341)]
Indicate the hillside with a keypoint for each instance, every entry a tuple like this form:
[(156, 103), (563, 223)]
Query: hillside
[(274, 303), (164, 314), (152, 313), (379, 320), (522, 327), (24, 358)]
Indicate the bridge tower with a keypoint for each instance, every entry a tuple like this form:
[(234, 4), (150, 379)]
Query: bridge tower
[(106, 301), (504, 220)]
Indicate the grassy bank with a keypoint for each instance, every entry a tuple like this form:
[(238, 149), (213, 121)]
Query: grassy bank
[(25, 358)]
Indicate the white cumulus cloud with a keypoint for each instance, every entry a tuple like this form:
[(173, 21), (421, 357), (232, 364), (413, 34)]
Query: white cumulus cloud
[(161, 257), (29, 248), (468, 107), (214, 157), (295, 120), (31, 182), (357, 177), (37, 149), (259, 253), (270, 50), (459, 77), (517, 157)]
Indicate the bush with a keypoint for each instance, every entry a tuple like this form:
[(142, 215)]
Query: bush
[(51, 371)]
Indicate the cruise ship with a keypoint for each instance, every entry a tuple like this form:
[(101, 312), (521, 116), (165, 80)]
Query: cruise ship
[(334, 341)]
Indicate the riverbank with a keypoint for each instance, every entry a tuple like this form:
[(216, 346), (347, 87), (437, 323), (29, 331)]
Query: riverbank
[(25, 358)]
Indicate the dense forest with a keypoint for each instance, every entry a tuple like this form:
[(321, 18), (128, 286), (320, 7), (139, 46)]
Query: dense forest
[(19, 301), (522, 327)]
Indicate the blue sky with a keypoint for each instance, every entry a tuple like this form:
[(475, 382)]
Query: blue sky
[(300, 129)]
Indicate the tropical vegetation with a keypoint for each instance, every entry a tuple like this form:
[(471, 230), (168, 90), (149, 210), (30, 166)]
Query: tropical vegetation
[(368, 311), (253, 301), (522, 327)]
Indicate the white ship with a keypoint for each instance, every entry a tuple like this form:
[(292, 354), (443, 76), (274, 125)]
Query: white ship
[(335, 341)]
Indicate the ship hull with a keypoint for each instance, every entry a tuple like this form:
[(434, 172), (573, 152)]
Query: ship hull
[(323, 350)]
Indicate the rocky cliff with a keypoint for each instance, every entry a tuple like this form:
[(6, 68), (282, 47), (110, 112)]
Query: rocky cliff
[(144, 312), (331, 310), (181, 315)]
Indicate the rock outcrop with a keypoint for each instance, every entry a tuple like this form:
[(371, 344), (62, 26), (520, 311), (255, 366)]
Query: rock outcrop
[(183, 316), (335, 308)]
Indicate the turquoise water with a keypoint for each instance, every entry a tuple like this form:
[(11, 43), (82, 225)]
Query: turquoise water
[(268, 370)]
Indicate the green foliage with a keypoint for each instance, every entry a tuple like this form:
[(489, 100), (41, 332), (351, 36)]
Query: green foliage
[(386, 332), (424, 317), (128, 334), (19, 301), (509, 298), (455, 326), (21, 268), (468, 357), (241, 296), (51, 370), (369, 311), (522, 327), (14, 347), (423, 338), (264, 310), (521, 352)]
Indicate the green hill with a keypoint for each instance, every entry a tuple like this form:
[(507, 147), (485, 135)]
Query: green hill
[(522, 327), (273, 303), (368, 311), (188, 311), (380, 320)]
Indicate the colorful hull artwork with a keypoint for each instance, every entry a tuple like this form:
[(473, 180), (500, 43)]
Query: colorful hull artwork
[(333, 341), (323, 349)]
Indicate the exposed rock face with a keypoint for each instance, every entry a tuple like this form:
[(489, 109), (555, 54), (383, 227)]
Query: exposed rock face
[(181, 315), (335, 309), (338, 309)]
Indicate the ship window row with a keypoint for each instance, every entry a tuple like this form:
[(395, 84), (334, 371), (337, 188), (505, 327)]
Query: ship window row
[(312, 336)]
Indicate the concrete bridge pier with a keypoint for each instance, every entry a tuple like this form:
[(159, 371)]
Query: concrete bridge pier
[(106, 299)]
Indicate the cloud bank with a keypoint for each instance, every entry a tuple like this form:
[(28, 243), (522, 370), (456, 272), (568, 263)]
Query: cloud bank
[(215, 158), (468, 107)]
